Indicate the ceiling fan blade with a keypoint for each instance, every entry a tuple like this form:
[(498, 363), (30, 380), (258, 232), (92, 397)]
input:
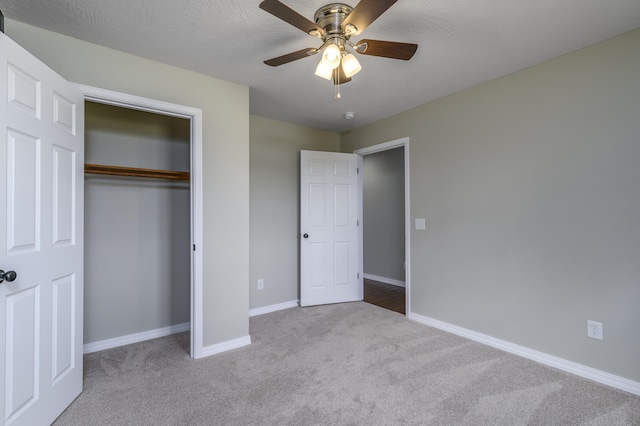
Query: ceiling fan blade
[(340, 77), (290, 57), (290, 16), (387, 49), (365, 13)]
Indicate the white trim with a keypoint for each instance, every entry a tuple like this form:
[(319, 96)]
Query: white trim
[(197, 226), (385, 146), (541, 357), (111, 97), (273, 308), (126, 100), (385, 280), (407, 226), (225, 346), (360, 228), (134, 338), (402, 142)]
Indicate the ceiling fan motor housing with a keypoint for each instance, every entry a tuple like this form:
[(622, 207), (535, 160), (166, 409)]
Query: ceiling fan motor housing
[(330, 18)]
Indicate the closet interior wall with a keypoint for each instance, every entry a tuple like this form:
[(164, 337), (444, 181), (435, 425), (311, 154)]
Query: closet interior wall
[(137, 230)]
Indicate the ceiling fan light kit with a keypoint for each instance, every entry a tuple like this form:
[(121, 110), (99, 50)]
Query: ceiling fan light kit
[(325, 71), (350, 65), (331, 55), (334, 24)]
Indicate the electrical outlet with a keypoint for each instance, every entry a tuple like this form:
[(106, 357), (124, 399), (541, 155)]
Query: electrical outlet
[(260, 284), (594, 329)]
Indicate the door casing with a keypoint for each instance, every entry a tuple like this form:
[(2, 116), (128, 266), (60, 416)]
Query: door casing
[(402, 142), (125, 100)]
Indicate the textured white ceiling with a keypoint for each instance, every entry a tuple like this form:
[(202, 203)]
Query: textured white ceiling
[(461, 43)]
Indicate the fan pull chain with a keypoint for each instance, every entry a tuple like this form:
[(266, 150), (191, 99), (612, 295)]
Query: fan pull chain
[(337, 86)]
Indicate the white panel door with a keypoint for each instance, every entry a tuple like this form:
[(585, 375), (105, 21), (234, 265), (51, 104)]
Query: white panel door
[(329, 266), (41, 239)]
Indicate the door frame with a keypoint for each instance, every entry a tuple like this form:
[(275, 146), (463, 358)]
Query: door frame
[(397, 143), (194, 115)]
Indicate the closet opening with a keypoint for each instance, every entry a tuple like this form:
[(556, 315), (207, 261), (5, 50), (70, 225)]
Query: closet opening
[(139, 226)]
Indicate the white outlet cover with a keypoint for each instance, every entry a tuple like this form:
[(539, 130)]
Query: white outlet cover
[(594, 329), (420, 224)]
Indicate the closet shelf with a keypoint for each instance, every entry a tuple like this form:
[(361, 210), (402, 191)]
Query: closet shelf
[(99, 169)]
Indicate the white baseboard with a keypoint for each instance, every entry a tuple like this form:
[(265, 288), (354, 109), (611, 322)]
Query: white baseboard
[(541, 357), (135, 338), (385, 280), (273, 308), (225, 346)]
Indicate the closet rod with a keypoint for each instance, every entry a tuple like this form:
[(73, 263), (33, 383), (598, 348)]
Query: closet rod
[(99, 169)]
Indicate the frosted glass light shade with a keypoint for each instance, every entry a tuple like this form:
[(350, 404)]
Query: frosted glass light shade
[(350, 65), (331, 56), (323, 70)]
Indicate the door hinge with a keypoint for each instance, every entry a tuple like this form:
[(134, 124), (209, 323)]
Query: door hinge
[(194, 247), (358, 274), (357, 170)]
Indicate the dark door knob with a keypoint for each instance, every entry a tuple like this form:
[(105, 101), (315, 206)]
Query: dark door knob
[(7, 276), (305, 236)]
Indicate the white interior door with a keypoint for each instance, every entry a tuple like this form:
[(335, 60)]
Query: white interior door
[(329, 252), (41, 238)]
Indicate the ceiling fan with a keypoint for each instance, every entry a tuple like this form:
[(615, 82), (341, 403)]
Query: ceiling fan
[(334, 24)]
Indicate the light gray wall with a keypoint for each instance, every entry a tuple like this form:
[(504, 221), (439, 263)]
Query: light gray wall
[(530, 186), (383, 213), (137, 231), (275, 181), (225, 108)]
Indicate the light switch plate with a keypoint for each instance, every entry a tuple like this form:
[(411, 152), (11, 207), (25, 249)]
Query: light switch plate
[(420, 224)]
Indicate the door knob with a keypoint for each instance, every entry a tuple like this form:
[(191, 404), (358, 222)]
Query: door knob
[(305, 236), (8, 276)]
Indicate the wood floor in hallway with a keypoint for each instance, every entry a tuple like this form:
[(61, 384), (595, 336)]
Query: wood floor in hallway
[(385, 295)]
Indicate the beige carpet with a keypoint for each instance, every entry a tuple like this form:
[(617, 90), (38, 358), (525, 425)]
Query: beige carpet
[(347, 364)]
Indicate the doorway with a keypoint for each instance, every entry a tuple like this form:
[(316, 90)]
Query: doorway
[(385, 230), (194, 199)]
